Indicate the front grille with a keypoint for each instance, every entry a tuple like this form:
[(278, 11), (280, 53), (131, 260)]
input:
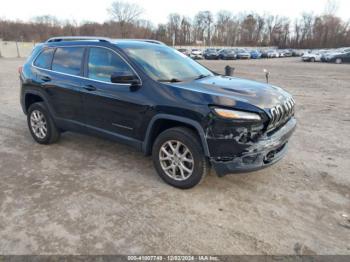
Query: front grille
[(281, 113)]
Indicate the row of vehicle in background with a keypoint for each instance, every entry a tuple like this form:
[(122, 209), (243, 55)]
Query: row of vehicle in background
[(338, 56), (236, 53)]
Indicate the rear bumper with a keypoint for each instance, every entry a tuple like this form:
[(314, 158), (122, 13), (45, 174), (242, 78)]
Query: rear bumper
[(196, 56), (264, 153), (211, 57)]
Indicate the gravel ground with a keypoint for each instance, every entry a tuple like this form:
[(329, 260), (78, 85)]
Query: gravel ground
[(86, 195)]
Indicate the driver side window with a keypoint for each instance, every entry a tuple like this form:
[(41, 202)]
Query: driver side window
[(102, 63)]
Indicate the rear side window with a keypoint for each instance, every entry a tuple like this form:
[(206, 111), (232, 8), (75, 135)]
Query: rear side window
[(44, 59), (68, 60), (103, 62)]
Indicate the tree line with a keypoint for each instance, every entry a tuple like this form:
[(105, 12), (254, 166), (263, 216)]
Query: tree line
[(205, 28)]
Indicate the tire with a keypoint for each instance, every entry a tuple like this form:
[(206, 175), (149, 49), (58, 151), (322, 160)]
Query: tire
[(39, 111), (312, 59), (190, 140), (338, 61)]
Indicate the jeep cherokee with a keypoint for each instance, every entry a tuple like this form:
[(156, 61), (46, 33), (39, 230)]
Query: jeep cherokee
[(152, 97)]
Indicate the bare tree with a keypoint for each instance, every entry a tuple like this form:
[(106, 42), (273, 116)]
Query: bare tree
[(208, 20), (331, 7), (185, 30), (203, 23), (223, 19), (199, 27), (124, 14), (308, 31), (248, 30), (174, 24)]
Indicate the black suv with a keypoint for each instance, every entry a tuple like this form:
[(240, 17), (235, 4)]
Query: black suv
[(152, 97)]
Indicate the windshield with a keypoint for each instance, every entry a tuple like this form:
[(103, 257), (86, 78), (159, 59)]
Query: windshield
[(166, 64)]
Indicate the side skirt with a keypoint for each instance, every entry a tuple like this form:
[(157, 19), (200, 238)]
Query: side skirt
[(79, 127)]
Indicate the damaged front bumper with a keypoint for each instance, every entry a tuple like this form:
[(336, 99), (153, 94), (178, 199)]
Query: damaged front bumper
[(267, 151)]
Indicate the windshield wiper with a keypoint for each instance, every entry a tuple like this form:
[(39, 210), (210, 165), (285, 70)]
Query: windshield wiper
[(201, 76), (173, 80)]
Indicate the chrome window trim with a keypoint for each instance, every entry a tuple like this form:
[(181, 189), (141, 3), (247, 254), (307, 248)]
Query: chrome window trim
[(82, 77)]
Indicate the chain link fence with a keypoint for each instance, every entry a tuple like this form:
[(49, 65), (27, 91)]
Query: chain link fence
[(13, 49)]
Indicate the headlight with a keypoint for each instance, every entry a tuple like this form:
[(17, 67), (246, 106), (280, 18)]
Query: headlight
[(234, 114)]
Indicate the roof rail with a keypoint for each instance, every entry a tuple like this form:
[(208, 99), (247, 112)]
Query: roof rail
[(140, 40), (97, 38), (77, 38), (152, 41)]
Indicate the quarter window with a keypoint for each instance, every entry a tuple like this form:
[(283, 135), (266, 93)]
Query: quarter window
[(44, 59), (68, 60), (102, 63)]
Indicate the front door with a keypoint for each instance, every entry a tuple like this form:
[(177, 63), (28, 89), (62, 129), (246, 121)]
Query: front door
[(109, 106)]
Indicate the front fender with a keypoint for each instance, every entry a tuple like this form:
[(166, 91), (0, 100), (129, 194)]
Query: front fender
[(147, 144)]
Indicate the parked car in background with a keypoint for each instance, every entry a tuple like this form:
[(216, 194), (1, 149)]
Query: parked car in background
[(272, 53), (285, 53), (298, 52), (255, 54), (184, 51), (314, 56), (242, 53), (210, 53), (339, 58), (330, 54), (264, 53), (196, 53), (344, 49), (227, 54), (309, 57)]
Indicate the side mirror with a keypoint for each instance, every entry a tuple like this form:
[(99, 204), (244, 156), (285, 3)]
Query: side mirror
[(124, 78)]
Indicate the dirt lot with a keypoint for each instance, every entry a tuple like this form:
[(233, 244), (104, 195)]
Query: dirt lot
[(86, 195)]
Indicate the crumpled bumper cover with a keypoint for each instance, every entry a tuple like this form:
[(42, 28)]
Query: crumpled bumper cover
[(267, 151)]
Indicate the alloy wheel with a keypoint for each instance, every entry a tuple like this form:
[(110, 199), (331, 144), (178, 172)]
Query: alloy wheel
[(38, 124), (176, 160)]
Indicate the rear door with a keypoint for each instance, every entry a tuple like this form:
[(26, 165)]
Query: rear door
[(63, 83)]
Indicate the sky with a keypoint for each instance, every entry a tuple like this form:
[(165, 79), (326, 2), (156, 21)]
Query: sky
[(157, 11)]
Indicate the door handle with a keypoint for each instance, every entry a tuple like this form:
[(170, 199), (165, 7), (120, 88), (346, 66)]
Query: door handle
[(46, 78), (89, 88)]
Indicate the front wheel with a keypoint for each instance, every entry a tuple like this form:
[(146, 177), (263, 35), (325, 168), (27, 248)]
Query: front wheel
[(178, 157)]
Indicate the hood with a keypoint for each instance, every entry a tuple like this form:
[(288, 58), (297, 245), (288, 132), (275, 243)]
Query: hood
[(228, 91)]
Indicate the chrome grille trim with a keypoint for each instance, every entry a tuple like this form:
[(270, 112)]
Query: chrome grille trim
[(281, 112)]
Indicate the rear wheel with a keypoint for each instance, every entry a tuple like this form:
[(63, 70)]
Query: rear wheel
[(312, 59), (178, 157), (41, 124), (338, 61)]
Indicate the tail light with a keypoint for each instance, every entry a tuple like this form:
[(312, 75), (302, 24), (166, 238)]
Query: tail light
[(20, 68)]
